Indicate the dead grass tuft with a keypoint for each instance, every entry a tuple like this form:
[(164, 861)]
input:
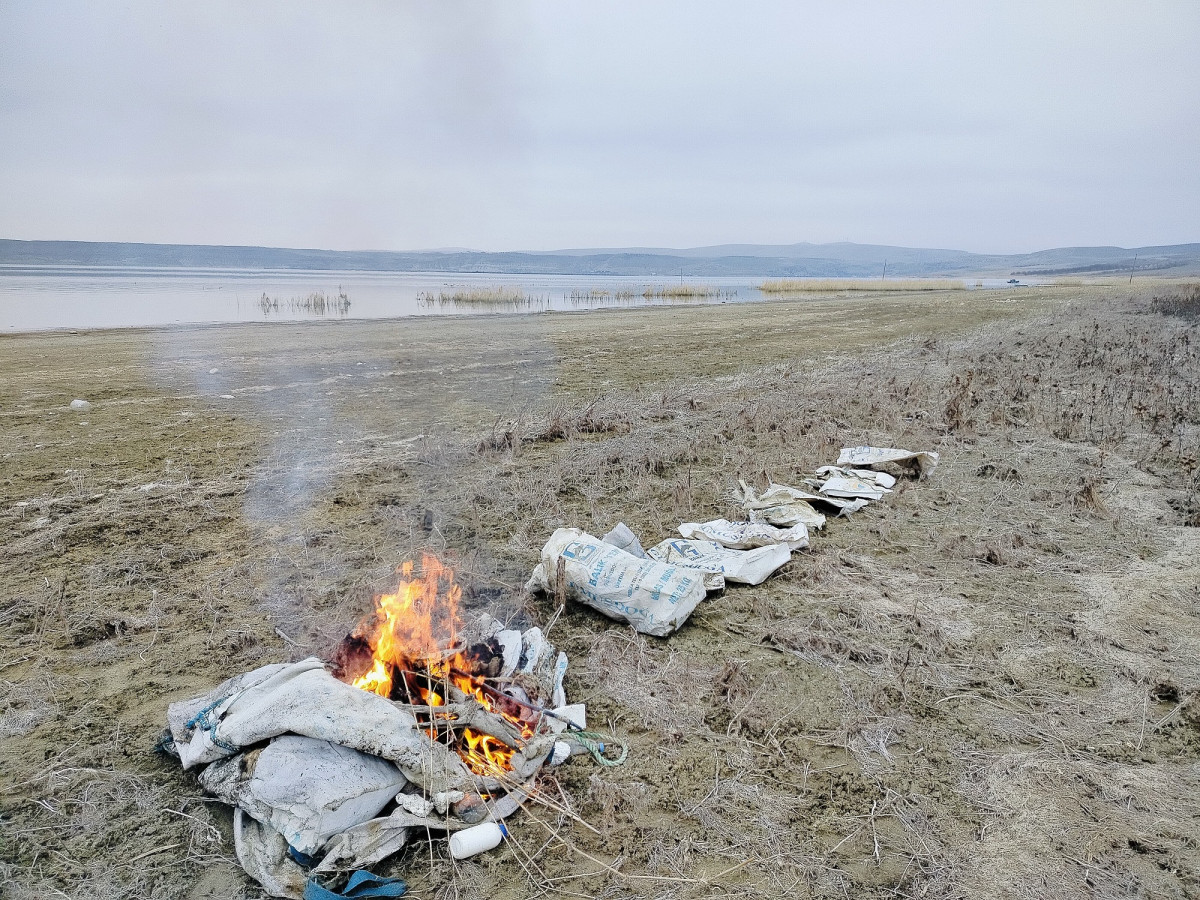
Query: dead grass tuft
[(1183, 302)]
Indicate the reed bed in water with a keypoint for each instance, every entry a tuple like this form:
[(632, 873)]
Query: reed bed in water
[(488, 296), (685, 291), (317, 303), (807, 285), (599, 294)]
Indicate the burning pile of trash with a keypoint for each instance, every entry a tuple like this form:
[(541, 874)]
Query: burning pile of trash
[(424, 724), (420, 724)]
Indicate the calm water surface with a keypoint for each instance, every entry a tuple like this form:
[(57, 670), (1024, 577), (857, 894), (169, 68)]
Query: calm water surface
[(36, 299)]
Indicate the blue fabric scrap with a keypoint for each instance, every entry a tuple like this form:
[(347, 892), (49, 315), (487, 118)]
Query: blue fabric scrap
[(362, 885)]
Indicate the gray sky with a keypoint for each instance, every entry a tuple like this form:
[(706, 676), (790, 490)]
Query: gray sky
[(999, 127)]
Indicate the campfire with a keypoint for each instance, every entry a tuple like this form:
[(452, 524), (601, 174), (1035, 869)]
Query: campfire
[(485, 692), (422, 722)]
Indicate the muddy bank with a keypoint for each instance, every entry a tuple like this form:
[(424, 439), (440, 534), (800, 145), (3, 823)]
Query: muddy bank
[(986, 686)]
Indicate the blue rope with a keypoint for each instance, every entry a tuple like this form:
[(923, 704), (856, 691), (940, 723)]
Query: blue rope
[(201, 720)]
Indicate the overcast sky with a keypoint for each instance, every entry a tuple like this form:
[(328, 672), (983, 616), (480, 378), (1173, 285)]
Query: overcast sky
[(1000, 127)]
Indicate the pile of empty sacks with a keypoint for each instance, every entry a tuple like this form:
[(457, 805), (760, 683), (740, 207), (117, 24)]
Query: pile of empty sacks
[(655, 590)]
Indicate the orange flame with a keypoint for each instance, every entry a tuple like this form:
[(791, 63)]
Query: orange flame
[(484, 754), (410, 630), (412, 623)]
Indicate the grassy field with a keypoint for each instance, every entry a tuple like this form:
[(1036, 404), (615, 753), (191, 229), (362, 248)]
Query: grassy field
[(866, 285), (987, 685)]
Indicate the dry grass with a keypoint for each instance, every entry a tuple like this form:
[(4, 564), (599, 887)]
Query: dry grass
[(986, 686), (837, 285), (1183, 301)]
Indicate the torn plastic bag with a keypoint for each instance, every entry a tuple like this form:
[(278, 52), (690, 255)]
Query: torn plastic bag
[(879, 479), (303, 698), (652, 597), (622, 537), (780, 505), (745, 535), (741, 566), (853, 488), (263, 853), (307, 790), (368, 843), (530, 653), (925, 461)]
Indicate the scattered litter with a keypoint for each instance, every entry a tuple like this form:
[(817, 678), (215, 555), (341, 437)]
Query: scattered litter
[(739, 566), (331, 768), (307, 790), (477, 839), (622, 537), (781, 505), (925, 461), (653, 597), (213, 371), (745, 535), (870, 476), (613, 576), (851, 488), (81, 405)]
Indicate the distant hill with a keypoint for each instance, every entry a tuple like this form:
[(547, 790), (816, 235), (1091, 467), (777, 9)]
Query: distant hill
[(841, 260)]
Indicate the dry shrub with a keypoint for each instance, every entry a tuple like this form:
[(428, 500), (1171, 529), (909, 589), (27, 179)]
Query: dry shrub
[(1183, 302)]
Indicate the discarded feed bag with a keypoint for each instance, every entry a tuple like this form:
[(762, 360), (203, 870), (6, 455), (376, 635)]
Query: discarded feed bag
[(303, 698), (880, 479), (741, 566), (307, 790), (924, 460), (745, 535), (781, 505), (853, 489), (653, 597), (622, 537)]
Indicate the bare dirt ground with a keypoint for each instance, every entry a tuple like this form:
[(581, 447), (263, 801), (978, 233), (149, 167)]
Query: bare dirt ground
[(986, 686)]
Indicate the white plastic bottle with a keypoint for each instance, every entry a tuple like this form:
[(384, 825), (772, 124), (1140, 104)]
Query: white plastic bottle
[(476, 839)]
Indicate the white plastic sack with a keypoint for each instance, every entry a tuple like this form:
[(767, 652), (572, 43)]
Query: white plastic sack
[(263, 853), (622, 537), (781, 506), (303, 698), (652, 597), (745, 535), (305, 789), (925, 460), (853, 488), (741, 566), (879, 479)]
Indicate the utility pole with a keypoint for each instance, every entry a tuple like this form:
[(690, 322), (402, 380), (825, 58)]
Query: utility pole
[(1131, 268)]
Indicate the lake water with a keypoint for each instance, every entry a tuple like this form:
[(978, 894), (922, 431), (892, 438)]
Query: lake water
[(34, 298)]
